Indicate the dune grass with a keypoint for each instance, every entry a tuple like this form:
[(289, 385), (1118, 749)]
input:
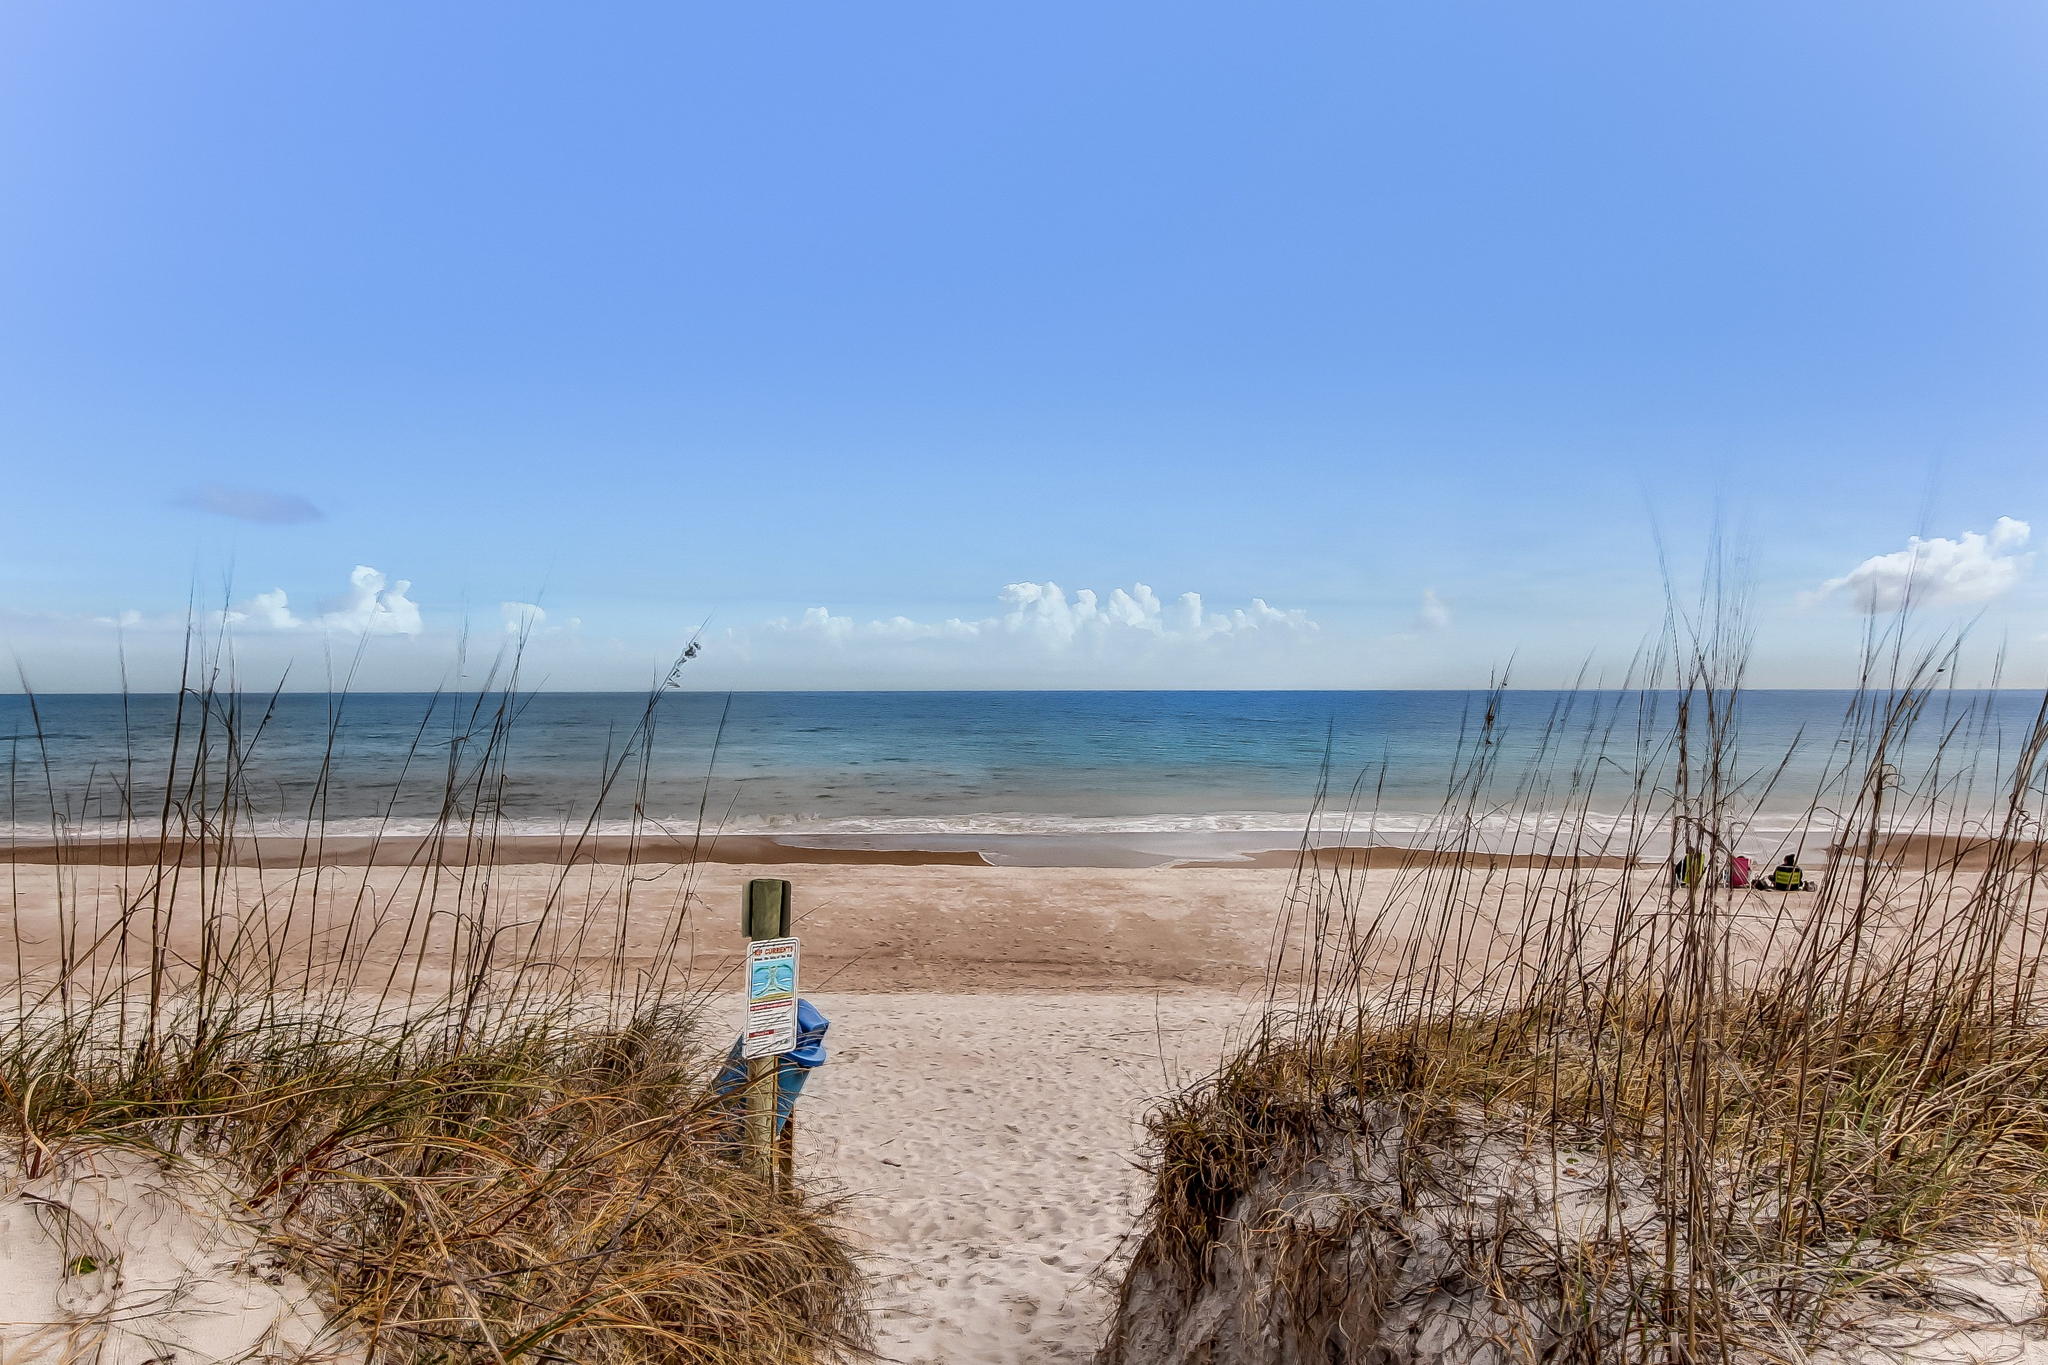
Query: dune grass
[(532, 1185), (482, 1132), (1814, 1089)]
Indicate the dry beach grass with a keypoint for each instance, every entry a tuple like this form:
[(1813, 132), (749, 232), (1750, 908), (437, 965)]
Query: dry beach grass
[(516, 1156), (1570, 1116)]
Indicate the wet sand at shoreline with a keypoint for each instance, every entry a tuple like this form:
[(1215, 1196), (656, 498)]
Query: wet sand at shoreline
[(1234, 850), (1130, 849), (399, 850)]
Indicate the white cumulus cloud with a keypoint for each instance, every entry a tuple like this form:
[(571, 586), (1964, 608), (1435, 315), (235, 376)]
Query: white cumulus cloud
[(1975, 567), (372, 605), (1044, 617), (1433, 613), (265, 611), (522, 618)]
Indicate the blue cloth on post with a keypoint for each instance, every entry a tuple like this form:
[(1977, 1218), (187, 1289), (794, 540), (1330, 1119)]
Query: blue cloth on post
[(798, 1062)]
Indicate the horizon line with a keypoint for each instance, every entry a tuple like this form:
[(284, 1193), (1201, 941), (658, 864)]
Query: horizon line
[(911, 691)]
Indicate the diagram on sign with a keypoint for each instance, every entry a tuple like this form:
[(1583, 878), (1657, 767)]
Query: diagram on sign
[(770, 1029)]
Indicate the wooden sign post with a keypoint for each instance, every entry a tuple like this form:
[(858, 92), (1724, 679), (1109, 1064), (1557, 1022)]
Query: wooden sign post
[(764, 915)]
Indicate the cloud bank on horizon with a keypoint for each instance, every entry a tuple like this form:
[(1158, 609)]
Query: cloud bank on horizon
[(1043, 616), (1038, 632)]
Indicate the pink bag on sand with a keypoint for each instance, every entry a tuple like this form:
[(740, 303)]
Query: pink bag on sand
[(1738, 872)]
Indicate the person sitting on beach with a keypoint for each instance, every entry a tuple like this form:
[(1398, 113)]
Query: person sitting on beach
[(1687, 869), (1788, 876)]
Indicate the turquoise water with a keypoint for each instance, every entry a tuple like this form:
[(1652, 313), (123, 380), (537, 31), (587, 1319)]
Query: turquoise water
[(905, 763)]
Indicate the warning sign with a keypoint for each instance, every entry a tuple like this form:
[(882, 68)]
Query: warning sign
[(770, 1029)]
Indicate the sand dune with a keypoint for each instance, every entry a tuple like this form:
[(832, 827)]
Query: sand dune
[(116, 1258)]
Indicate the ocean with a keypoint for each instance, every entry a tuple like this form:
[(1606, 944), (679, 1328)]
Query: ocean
[(1166, 769)]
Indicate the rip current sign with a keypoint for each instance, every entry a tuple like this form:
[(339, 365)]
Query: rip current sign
[(770, 1029)]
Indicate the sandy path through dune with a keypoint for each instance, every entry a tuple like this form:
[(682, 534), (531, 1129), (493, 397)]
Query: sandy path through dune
[(988, 1141)]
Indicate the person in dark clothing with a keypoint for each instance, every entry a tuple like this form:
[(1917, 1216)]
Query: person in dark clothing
[(1788, 876)]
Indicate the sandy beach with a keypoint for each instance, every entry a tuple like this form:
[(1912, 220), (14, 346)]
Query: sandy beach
[(985, 1143), (998, 1034), (885, 927)]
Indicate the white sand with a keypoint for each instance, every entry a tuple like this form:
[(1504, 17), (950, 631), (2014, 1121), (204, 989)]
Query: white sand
[(116, 1258), (986, 1142), (997, 1036)]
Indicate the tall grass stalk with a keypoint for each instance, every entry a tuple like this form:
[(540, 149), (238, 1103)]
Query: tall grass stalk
[(1819, 1087), (481, 1123)]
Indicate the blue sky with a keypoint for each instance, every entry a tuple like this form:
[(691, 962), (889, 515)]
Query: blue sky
[(851, 329)]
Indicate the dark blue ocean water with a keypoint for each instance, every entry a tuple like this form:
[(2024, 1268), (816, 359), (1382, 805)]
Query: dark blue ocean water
[(908, 762)]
